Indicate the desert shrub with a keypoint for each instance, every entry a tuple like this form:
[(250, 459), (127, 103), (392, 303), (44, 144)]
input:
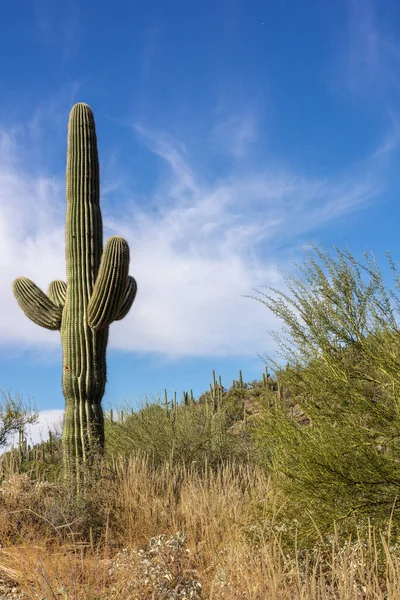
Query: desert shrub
[(191, 434), (342, 467), (41, 510)]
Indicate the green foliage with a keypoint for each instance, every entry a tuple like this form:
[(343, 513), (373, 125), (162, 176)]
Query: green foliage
[(189, 435), (15, 415), (42, 461), (212, 429), (343, 466)]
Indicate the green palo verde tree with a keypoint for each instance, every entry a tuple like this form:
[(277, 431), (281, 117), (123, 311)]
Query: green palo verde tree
[(97, 292), (342, 344)]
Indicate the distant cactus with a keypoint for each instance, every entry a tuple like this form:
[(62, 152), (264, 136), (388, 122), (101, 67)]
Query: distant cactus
[(240, 380), (216, 392), (97, 292), (166, 403)]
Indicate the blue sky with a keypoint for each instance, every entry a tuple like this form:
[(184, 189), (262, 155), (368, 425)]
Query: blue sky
[(231, 133)]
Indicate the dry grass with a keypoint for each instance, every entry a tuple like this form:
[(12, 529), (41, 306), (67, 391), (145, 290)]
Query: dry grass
[(122, 541)]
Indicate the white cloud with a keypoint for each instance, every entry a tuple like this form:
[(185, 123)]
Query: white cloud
[(199, 253), (205, 245), (31, 239)]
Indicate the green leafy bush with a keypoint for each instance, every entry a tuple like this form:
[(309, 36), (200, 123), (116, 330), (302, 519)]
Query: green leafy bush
[(344, 465)]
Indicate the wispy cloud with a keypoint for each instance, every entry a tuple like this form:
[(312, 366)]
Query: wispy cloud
[(235, 134), (203, 245), (58, 25), (149, 48), (209, 242), (390, 141), (371, 52), (47, 128)]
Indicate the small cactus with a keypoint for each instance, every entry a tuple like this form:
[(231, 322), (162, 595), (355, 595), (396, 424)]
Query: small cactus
[(240, 380)]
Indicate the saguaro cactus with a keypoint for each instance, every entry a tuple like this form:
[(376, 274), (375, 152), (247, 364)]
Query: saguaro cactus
[(97, 292)]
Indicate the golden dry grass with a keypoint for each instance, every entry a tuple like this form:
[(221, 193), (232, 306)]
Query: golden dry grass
[(236, 548)]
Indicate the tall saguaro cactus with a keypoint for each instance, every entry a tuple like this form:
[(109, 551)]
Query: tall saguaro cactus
[(98, 291)]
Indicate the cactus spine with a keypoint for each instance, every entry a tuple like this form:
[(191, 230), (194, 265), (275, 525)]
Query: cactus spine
[(97, 292)]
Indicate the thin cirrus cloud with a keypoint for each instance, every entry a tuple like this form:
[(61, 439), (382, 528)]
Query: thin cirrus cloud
[(58, 26), (370, 55), (235, 134), (206, 245)]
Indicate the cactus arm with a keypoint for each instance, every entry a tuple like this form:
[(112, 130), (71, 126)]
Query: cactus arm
[(109, 289), (36, 305), (57, 292), (129, 296)]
